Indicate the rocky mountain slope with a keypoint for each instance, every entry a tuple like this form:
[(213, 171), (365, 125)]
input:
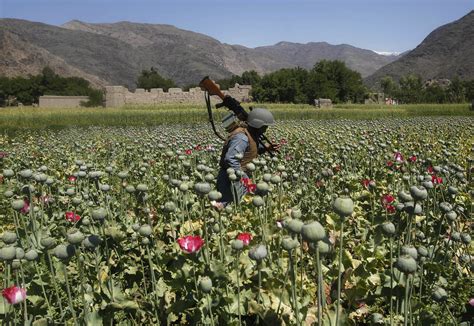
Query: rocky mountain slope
[(114, 54), (447, 52)]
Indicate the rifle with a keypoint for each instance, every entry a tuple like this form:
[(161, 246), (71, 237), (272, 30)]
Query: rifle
[(229, 102)]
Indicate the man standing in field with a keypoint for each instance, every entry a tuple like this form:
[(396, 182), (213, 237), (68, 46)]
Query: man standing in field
[(240, 148)]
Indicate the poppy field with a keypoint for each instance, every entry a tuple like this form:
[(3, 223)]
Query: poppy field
[(353, 222)]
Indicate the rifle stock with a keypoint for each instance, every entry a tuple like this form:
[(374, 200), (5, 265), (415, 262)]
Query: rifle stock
[(211, 87)]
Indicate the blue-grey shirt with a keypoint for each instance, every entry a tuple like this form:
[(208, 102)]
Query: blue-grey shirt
[(238, 144)]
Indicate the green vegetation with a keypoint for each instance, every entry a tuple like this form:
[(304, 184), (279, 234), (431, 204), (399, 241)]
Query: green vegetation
[(27, 90), (327, 79), (149, 79), (12, 119), (410, 89)]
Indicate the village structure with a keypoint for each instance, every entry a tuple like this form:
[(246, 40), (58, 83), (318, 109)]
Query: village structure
[(118, 96)]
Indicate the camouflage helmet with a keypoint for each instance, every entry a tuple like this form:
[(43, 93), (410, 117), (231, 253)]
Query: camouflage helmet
[(260, 117)]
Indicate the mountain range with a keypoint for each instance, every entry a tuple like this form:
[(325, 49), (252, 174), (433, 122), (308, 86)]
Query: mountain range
[(447, 52), (115, 53)]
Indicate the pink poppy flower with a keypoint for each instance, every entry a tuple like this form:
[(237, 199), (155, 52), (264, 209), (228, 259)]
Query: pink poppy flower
[(14, 294), (387, 199), (71, 217), (398, 157), (251, 187), (245, 238), (436, 180), (191, 244), (390, 209), (71, 178), (365, 183), (26, 207), (412, 159), (188, 152)]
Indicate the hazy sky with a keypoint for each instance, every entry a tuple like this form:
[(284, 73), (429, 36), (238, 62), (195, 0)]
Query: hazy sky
[(380, 25)]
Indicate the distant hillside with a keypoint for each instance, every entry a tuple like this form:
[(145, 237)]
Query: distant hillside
[(447, 52), (306, 55), (114, 54)]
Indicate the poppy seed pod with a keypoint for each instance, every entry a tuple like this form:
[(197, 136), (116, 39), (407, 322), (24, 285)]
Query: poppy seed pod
[(18, 204), (406, 264), (135, 227), (258, 253), (296, 213), (209, 177), (205, 284), (26, 173), (20, 253), (452, 216), (419, 193), (237, 244), (9, 237), (142, 187), (465, 238), (377, 318), (145, 230), (122, 175), (130, 189), (99, 214), (275, 179), (388, 229), (31, 255), (7, 253), (409, 250), (64, 252), (262, 188), (422, 251), (313, 232), (183, 187), (74, 236), (439, 295), (452, 190), (445, 207), (169, 207), (294, 225), (91, 241), (250, 166), (324, 246), (8, 173), (258, 201), (48, 242), (202, 188), (214, 195), (343, 206), (404, 196), (289, 243), (267, 177)]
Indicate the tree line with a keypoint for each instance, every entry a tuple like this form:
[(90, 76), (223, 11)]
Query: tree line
[(327, 79), (412, 89), (27, 90)]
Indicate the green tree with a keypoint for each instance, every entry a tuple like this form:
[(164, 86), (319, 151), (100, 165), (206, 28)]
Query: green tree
[(469, 90), (456, 92), (435, 94), (248, 78), (149, 79), (411, 89), (333, 80), (284, 86), (27, 90), (389, 87)]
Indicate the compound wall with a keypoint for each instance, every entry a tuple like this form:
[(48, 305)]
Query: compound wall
[(53, 101), (117, 96)]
